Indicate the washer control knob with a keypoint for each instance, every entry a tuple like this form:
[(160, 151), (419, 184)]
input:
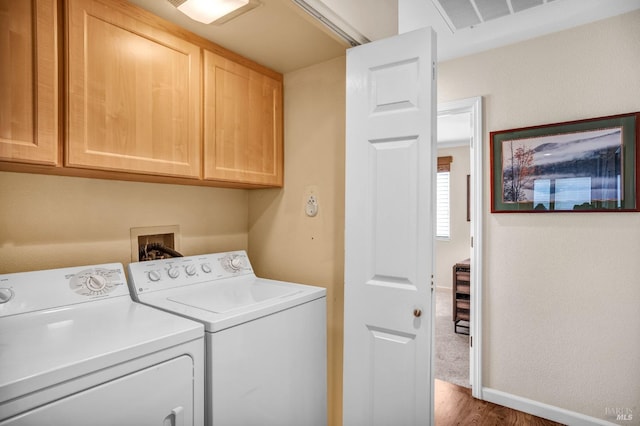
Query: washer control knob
[(233, 263), (6, 294), (206, 268), (190, 270), (154, 276), (173, 272), (236, 263)]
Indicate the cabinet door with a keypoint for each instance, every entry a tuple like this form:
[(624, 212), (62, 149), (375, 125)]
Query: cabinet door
[(242, 123), (29, 81), (134, 93)]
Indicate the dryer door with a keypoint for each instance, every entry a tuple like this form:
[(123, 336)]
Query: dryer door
[(158, 395)]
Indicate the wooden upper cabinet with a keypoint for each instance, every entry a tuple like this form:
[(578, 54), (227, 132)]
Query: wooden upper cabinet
[(242, 123), (133, 93), (29, 81), (143, 97)]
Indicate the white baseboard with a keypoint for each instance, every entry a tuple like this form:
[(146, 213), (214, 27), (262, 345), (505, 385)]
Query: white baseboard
[(540, 409)]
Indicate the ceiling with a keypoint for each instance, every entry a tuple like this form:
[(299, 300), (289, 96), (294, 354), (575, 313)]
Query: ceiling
[(280, 35), (276, 34), (454, 129)]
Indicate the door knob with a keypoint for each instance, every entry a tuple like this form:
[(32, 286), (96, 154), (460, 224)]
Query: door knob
[(417, 312)]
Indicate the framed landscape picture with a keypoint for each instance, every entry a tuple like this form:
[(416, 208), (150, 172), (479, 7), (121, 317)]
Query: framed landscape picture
[(577, 166)]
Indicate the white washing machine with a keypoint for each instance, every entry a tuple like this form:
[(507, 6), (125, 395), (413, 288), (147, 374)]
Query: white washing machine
[(76, 350), (265, 339)]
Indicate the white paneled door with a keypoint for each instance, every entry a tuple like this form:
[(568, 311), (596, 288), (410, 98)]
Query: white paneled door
[(389, 230)]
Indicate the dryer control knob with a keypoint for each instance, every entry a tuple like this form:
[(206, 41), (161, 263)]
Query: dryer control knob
[(6, 294), (173, 272), (206, 268), (154, 276), (96, 282)]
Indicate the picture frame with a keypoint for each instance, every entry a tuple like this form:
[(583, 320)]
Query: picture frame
[(575, 166)]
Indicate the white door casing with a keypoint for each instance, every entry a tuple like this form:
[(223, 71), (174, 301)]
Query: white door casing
[(389, 230), (473, 106)]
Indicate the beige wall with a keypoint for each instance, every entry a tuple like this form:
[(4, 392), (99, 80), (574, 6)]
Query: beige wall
[(561, 291), (53, 221), (286, 244), (561, 295), (451, 251)]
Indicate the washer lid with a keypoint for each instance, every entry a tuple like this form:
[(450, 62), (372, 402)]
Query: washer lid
[(226, 303), (225, 297)]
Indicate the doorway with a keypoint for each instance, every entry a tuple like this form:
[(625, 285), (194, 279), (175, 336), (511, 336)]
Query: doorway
[(457, 342)]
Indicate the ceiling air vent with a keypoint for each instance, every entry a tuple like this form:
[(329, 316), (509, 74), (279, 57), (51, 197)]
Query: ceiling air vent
[(460, 14)]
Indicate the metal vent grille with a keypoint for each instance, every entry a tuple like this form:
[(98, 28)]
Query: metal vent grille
[(461, 14), (176, 3)]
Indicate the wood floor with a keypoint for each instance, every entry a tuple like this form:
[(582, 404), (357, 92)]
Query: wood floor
[(454, 405)]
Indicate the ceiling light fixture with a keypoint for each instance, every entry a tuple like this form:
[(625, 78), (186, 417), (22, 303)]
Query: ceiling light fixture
[(207, 11)]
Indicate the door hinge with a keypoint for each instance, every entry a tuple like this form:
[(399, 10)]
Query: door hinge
[(471, 341), (433, 71), (471, 242)]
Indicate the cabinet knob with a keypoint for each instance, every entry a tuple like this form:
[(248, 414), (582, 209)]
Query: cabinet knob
[(417, 313)]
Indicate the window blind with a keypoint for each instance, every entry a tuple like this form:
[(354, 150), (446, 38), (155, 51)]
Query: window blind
[(442, 205)]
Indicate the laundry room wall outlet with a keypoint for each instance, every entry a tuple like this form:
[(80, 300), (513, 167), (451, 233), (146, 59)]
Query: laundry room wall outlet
[(311, 208), (311, 203)]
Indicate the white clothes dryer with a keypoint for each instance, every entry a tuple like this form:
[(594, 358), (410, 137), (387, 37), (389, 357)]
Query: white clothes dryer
[(76, 350), (265, 339)]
